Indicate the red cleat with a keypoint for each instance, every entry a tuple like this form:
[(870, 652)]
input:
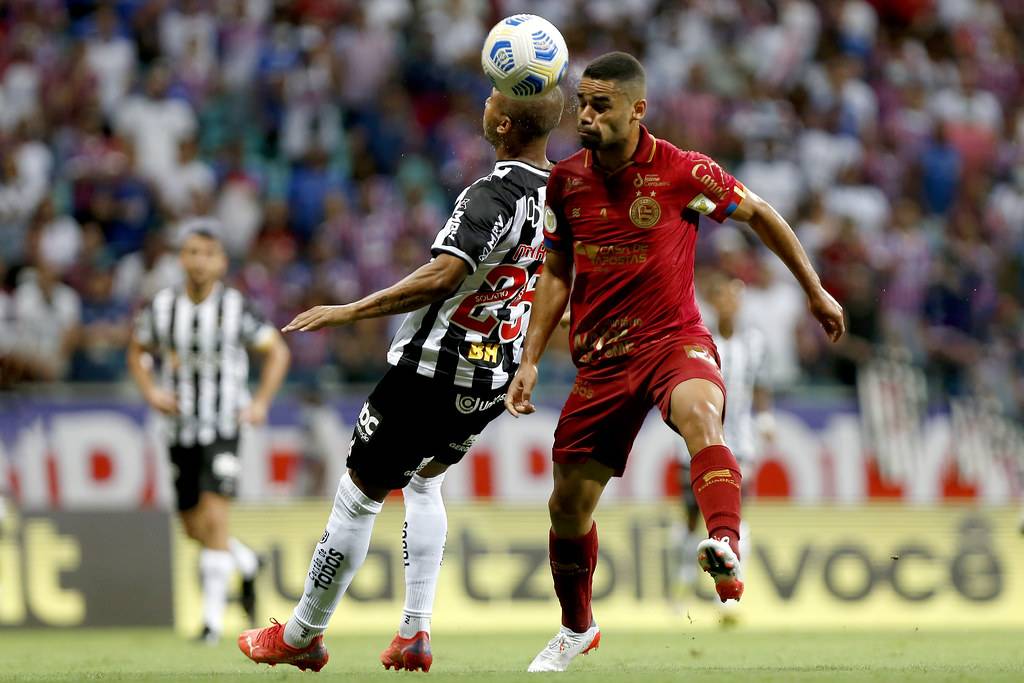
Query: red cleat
[(717, 558), (411, 654), (267, 646)]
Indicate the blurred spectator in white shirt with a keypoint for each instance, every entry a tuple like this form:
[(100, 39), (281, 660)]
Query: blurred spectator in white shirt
[(855, 198), (189, 31), (111, 58), (155, 124), (59, 236), (188, 189), (776, 306), (47, 314), (771, 172)]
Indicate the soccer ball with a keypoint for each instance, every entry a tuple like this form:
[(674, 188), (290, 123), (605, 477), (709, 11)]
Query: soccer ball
[(524, 55)]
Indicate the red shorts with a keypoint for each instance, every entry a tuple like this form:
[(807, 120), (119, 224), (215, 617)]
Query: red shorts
[(608, 404)]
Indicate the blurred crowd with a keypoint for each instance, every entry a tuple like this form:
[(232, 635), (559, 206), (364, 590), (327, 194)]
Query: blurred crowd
[(331, 136)]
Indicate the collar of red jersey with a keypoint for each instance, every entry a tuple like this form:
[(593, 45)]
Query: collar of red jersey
[(643, 155)]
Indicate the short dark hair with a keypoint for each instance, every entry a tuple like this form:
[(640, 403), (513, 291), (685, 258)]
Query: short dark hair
[(208, 228), (534, 117), (617, 66)]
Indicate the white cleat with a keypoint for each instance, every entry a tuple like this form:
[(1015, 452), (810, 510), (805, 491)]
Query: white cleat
[(717, 558), (564, 647)]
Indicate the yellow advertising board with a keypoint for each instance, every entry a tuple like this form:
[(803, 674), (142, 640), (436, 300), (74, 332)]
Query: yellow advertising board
[(87, 568), (809, 568)]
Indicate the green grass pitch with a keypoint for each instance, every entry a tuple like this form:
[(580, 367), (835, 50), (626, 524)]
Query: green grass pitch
[(702, 656)]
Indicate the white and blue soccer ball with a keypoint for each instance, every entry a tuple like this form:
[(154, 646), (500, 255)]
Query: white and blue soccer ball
[(524, 55)]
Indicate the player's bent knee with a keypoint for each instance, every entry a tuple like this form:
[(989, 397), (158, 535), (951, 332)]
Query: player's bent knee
[(193, 533), (191, 525), (699, 423), (569, 507)]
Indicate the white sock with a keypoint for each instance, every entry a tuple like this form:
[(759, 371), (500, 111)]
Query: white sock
[(245, 558), (215, 567), (337, 558), (423, 536)]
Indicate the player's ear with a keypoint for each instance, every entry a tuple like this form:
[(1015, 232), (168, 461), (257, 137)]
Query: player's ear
[(639, 110), (504, 125)]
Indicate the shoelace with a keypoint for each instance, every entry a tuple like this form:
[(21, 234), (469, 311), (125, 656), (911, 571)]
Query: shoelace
[(558, 643), (267, 636)]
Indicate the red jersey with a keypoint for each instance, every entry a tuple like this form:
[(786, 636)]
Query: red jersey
[(632, 234)]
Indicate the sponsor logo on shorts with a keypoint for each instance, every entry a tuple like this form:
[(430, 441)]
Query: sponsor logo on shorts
[(225, 465), (366, 425), (464, 446), (700, 353), (467, 405), (423, 463), (582, 389)]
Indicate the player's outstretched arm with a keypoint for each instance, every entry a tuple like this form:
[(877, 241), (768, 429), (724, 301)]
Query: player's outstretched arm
[(775, 233), (425, 285), (549, 302)]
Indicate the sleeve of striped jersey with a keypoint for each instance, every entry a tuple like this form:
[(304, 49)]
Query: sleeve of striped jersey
[(144, 329), (708, 188), (556, 229), (254, 328), (475, 227)]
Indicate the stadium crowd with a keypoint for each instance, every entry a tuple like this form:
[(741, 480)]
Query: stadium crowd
[(331, 136)]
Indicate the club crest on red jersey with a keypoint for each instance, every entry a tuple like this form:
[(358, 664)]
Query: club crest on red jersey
[(644, 212)]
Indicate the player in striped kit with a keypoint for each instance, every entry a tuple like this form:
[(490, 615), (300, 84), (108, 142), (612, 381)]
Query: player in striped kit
[(743, 353), (452, 359), (188, 355)]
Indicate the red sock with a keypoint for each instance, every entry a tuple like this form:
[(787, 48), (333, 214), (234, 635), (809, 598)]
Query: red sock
[(715, 478), (572, 567)]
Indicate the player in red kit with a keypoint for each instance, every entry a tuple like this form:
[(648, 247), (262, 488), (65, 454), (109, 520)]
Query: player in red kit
[(623, 214)]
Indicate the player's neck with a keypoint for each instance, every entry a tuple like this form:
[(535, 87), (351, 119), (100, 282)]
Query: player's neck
[(197, 293), (534, 154), (614, 158)]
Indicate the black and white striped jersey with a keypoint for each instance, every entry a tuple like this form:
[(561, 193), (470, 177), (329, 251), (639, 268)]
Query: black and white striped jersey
[(474, 337), (201, 352), (743, 356)]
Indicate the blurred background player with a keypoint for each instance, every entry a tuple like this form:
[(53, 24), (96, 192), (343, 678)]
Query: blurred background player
[(189, 357), (620, 231), (452, 359), (743, 353)]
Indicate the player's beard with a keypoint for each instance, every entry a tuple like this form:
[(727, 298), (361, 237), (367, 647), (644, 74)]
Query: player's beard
[(592, 139), (591, 142), (491, 133)]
